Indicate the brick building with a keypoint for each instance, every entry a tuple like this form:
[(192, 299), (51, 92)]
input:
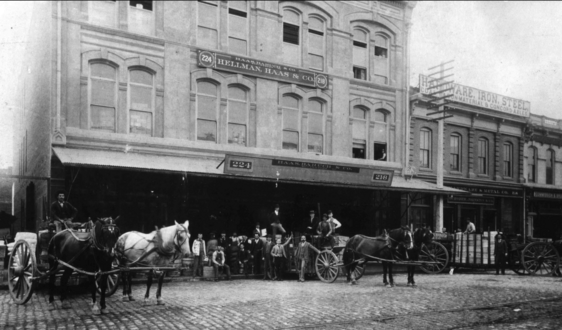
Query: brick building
[(215, 111), (543, 177), (484, 145)]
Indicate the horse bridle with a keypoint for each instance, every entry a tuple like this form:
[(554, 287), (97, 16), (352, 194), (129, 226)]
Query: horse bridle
[(104, 226), (177, 243)]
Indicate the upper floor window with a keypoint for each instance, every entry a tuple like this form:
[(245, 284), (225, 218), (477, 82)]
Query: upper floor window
[(483, 156), (455, 152), (291, 123), (207, 24), (315, 126), (381, 65), (141, 102), (238, 27), (207, 111), (360, 54), (359, 132), (508, 160), (316, 43), (103, 97), (531, 164), (380, 136), (291, 37), (550, 166), (141, 17), (425, 148), (238, 109)]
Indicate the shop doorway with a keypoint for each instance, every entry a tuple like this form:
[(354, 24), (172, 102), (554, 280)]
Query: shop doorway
[(490, 221)]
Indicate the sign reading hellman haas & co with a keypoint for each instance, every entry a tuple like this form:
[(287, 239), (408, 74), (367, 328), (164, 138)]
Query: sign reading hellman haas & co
[(249, 66)]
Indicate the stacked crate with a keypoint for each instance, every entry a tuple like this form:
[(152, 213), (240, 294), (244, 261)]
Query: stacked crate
[(475, 249)]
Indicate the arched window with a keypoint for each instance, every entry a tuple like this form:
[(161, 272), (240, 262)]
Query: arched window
[(360, 54), (531, 164), (380, 136), (455, 152), (381, 59), (207, 111), (207, 24), (508, 159), (315, 126), (316, 43), (291, 37), (238, 27), (237, 116), (550, 156), (483, 156), (359, 132), (425, 148), (141, 102), (103, 97), (291, 123)]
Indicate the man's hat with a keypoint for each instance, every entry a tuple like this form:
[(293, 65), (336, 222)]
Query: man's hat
[(61, 192)]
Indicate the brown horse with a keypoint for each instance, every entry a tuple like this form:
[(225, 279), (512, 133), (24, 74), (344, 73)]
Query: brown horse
[(90, 252), (422, 236), (360, 249)]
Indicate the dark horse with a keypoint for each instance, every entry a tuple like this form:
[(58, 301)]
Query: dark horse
[(422, 236), (359, 249), (89, 252)]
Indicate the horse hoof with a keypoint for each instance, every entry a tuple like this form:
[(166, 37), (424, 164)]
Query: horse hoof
[(52, 306), (131, 298), (392, 285), (96, 310), (414, 285), (353, 282), (387, 285), (125, 298), (146, 301), (160, 302), (409, 284)]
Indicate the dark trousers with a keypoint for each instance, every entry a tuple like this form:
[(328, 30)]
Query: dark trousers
[(268, 268), (278, 263), (198, 265), (223, 268), (500, 263), (257, 263)]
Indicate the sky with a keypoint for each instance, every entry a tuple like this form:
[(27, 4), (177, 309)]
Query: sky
[(510, 48)]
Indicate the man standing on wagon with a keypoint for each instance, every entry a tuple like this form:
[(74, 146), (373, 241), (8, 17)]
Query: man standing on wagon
[(63, 212)]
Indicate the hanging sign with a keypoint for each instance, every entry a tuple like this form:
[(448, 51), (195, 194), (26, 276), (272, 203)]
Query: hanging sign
[(253, 67)]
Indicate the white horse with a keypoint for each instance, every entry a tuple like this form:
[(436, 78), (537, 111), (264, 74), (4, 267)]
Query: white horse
[(157, 249)]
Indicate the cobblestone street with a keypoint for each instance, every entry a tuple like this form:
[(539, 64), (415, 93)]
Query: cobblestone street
[(462, 301)]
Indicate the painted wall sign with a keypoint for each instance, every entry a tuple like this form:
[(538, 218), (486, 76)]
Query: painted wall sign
[(292, 170), (547, 195), (490, 191), (480, 200), (477, 97), (550, 122), (249, 66)]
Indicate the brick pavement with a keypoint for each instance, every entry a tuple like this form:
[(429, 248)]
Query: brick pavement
[(439, 302)]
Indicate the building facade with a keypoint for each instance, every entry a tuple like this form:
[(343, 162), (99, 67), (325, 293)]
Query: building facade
[(484, 153), (543, 177), (215, 111)]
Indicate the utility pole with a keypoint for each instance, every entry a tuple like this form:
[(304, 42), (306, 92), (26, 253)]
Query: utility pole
[(439, 91)]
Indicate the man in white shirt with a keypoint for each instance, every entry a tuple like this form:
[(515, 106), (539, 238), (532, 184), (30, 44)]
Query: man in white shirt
[(199, 253), (470, 227), (334, 223)]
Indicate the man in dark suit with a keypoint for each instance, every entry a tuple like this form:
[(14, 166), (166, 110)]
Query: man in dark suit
[(275, 220), (256, 247), (63, 212), (223, 241), (310, 224)]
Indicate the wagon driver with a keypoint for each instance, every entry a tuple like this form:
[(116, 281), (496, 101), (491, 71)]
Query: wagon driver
[(63, 212)]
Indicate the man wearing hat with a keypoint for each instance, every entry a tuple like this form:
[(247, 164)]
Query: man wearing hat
[(63, 212), (276, 222), (500, 252), (223, 241), (310, 224)]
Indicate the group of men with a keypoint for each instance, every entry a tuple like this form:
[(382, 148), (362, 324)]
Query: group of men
[(237, 254)]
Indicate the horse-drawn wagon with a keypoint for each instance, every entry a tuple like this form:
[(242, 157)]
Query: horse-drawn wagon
[(525, 256)]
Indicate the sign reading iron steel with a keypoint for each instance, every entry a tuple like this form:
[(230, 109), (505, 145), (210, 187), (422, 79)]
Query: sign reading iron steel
[(477, 97), (249, 66)]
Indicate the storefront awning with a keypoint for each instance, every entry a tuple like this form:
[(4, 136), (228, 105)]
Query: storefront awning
[(113, 159), (413, 185)]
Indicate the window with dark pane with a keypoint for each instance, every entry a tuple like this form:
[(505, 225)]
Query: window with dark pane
[(237, 116), (291, 33), (531, 164), (455, 152), (291, 124), (425, 148), (549, 167), (207, 107), (146, 5), (483, 156), (508, 160)]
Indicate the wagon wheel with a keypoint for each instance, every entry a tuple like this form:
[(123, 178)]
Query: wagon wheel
[(540, 257), (327, 266), (112, 280), (22, 267), (437, 254), (360, 270), (515, 262)]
